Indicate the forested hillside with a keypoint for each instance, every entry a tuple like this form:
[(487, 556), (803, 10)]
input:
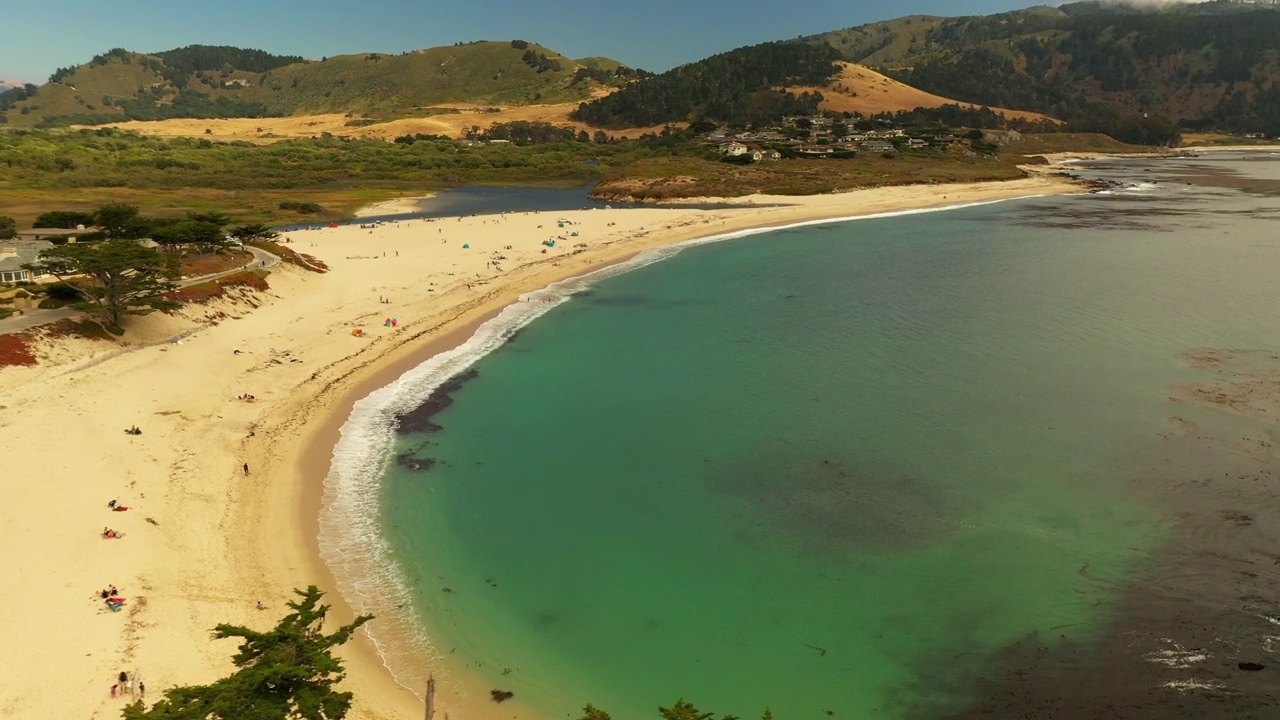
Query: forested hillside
[(202, 81), (1204, 66), (741, 85)]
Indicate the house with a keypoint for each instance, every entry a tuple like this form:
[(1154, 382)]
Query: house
[(733, 149), (815, 151), (1256, 135), (772, 155), (878, 146), (917, 142), (16, 253), (945, 141), (46, 233)]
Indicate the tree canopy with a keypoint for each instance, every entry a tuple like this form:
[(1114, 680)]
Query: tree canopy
[(119, 220), (123, 277), (66, 219), (286, 673), (253, 231), (8, 227)]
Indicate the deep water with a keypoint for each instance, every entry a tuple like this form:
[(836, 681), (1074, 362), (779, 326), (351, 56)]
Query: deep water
[(839, 470)]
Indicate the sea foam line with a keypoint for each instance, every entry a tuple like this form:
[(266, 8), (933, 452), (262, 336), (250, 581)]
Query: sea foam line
[(351, 542)]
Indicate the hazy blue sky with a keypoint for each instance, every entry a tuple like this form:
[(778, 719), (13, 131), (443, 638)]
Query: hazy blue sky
[(653, 34)]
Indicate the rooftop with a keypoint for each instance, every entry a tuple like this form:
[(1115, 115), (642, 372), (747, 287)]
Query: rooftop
[(15, 253)]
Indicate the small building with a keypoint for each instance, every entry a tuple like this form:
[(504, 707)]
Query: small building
[(733, 149), (16, 253), (35, 234), (878, 146), (917, 142), (772, 155)]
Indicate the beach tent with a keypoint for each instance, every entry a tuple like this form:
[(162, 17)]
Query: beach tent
[(466, 246)]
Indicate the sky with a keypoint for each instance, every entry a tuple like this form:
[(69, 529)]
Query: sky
[(656, 35)]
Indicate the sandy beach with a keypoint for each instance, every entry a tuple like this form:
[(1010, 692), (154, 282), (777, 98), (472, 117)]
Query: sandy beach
[(398, 206), (204, 540)]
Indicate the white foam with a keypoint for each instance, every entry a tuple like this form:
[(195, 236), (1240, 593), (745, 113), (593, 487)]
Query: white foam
[(1189, 685), (351, 541)]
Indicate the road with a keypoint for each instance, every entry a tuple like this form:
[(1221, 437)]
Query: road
[(36, 316)]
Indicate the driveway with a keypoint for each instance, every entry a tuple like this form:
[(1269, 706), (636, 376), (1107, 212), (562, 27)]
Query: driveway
[(36, 316)]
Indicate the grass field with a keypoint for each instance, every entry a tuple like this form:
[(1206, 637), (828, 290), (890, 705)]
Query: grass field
[(243, 206)]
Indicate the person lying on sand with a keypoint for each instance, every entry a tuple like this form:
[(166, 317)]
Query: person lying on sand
[(109, 534)]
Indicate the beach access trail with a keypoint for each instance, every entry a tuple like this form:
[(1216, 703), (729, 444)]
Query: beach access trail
[(204, 540)]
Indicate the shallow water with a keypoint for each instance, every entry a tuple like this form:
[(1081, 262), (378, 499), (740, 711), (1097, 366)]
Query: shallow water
[(842, 468)]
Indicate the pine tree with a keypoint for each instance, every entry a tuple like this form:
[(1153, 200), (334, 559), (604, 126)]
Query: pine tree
[(286, 673)]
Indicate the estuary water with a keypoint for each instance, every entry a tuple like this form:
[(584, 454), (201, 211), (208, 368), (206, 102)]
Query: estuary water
[(935, 465)]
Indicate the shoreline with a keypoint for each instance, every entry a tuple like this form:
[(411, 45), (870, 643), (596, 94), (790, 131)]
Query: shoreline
[(458, 335), (397, 206), (222, 539)]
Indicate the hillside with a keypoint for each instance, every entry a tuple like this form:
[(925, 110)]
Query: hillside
[(859, 89), (1209, 65), (742, 85), (223, 82)]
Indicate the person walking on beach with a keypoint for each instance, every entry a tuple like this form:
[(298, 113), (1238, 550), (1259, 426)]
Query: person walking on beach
[(246, 468)]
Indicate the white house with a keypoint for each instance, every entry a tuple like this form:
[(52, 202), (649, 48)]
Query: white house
[(733, 149), (16, 253)]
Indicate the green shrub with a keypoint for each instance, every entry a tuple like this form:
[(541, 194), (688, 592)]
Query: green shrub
[(302, 207), (62, 291)]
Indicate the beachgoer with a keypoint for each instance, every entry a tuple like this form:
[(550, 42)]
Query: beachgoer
[(142, 688), (124, 678), (114, 690), (112, 503), (246, 468), (261, 606)]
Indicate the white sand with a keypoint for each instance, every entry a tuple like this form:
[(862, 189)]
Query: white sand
[(396, 206), (222, 540)]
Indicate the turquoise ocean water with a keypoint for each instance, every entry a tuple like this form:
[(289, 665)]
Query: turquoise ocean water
[(829, 470)]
